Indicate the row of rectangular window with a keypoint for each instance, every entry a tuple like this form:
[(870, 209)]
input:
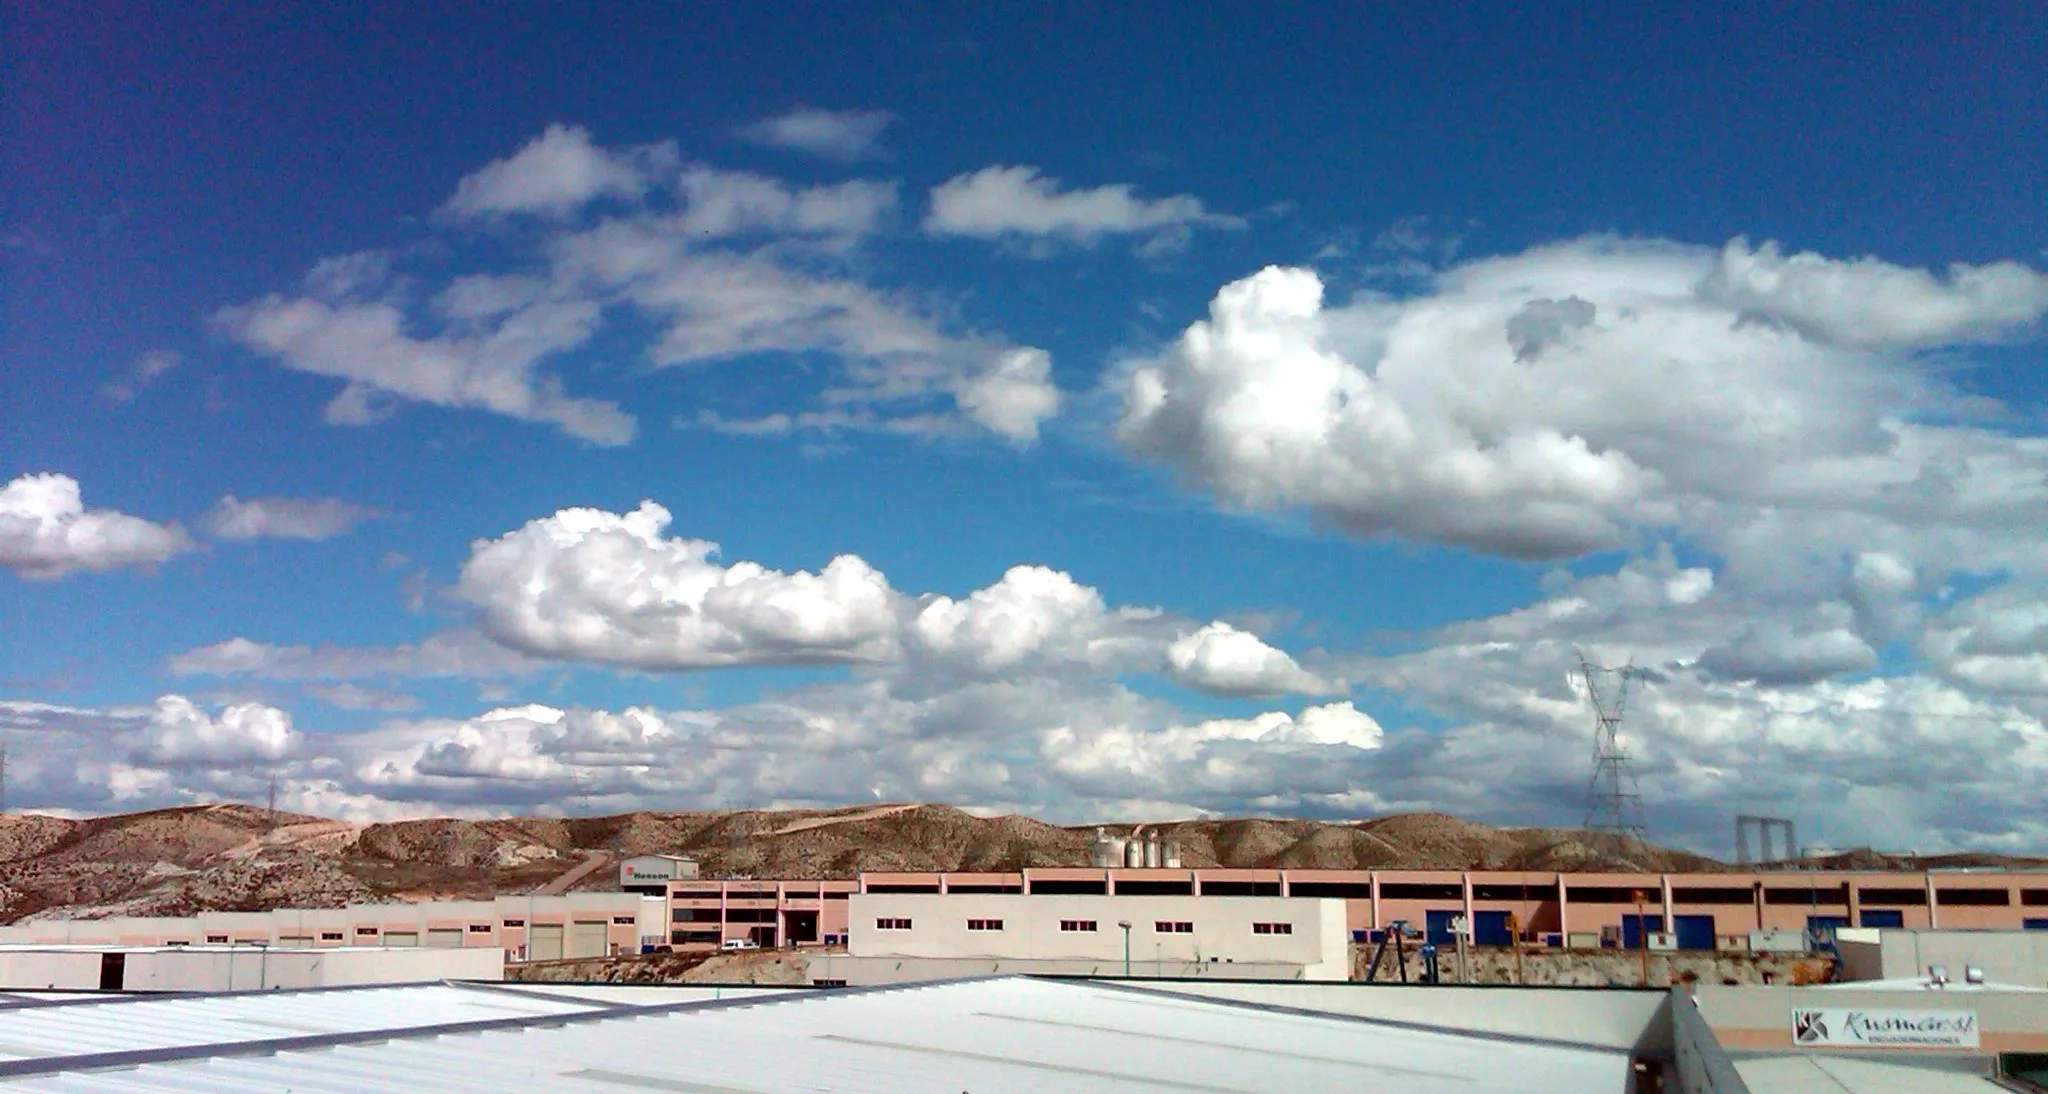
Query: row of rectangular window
[(1085, 926)]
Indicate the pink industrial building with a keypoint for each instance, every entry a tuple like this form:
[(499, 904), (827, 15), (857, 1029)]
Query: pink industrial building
[(1698, 911)]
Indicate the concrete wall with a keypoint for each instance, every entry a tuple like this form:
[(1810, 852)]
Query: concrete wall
[(1031, 929), (1760, 1018), (2007, 957), (858, 971)]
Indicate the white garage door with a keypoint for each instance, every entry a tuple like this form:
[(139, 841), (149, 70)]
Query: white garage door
[(588, 939), (544, 942)]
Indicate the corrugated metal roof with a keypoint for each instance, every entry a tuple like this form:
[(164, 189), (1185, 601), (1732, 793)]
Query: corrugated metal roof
[(74, 1027), (1012, 1035)]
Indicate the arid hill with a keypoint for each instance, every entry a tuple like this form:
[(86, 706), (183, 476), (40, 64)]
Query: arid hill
[(239, 858)]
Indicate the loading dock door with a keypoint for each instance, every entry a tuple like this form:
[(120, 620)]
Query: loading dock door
[(1632, 929), (401, 938), (1438, 925), (1883, 917), (588, 939), (544, 942), (1491, 929), (800, 927), (295, 940), (1695, 932), (445, 937), (113, 971)]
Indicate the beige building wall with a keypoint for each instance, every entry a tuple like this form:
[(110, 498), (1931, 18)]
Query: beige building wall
[(1223, 930), (1754, 1018)]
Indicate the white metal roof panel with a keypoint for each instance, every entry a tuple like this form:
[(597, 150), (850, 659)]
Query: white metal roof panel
[(127, 1023), (645, 994), (1818, 1074), (1012, 1035)]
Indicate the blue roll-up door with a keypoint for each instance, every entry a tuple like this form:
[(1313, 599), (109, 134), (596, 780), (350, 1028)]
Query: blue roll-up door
[(1632, 929), (1491, 929), (2036, 924), (1695, 932), (1883, 917), (1438, 923)]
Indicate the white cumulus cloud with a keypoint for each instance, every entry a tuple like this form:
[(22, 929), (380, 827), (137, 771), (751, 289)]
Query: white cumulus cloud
[(607, 587), (178, 733), (726, 203), (1555, 402), (47, 532), (1221, 659)]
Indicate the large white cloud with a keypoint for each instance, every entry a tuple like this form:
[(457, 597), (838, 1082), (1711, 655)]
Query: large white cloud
[(558, 173), (366, 344), (47, 532), (1021, 203), (743, 265), (178, 733), (1035, 619), (720, 304), (1558, 401), (610, 588), (1221, 659)]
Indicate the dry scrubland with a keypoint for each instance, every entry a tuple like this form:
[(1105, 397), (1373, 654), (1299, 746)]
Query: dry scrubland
[(232, 857)]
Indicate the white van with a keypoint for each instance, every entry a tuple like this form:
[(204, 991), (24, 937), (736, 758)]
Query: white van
[(739, 944)]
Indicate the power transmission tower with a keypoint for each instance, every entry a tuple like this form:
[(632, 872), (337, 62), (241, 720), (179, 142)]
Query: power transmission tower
[(1614, 801), (270, 808)]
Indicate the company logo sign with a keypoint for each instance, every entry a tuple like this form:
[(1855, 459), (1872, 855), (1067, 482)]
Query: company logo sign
[(1843, 1028)]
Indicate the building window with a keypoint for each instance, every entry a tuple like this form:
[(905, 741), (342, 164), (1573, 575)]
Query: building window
[(330, 936), (1977, 897), (1272, 928), (176, 942), (892, 924), (216, 939), (984, 924), (1173, 926), (835, 894), (1077, 926), (828, 982), (479, 928), (1891, 898), (515, 923), (362, 931), (625, 920)]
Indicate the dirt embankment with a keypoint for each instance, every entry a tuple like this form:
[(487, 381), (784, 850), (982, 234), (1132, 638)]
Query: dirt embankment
[(1598, 968), (768, 967)]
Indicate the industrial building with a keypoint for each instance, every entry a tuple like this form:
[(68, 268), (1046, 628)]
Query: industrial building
[(1702, 912), (1273, 937), (527, 928), (236, 968)]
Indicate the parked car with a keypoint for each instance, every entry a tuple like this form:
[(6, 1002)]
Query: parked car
[(739, 944)]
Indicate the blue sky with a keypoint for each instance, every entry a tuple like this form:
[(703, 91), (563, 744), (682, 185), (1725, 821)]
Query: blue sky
[(1335, 381)]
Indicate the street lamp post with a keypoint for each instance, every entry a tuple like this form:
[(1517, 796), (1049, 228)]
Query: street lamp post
[(1126, 925)]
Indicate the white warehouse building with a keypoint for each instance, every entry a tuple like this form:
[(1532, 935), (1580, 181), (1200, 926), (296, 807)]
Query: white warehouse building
[(1167, 935)]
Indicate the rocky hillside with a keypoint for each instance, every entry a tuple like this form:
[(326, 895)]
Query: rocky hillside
[(234, 857)]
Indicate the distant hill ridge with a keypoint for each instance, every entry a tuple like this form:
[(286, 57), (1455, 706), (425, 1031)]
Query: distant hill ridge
[(239, 858)]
